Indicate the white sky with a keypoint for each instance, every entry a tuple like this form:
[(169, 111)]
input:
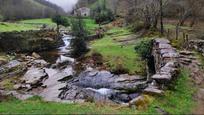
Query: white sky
[(67, 5)]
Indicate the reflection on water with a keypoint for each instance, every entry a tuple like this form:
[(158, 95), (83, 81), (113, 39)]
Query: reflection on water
[(52, 55)]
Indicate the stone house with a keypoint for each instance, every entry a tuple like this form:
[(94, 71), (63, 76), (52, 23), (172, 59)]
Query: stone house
[(84, 11)]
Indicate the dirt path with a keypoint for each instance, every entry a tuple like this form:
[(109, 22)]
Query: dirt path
[(190, 61)]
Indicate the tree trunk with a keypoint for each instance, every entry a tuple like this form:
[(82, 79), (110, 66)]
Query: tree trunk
[(193, 21), (155, 23), (161, 17)]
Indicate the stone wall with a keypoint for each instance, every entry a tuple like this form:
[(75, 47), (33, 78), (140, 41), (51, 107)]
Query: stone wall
[(166, 61), (28, 41), (197, 45)]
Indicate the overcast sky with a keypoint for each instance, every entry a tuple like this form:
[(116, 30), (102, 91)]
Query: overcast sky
[(65, 4)]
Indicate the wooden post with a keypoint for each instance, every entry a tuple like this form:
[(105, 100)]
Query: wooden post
[(184, 40), (184, 36), (177, 31), (168, 34), (187, 41)]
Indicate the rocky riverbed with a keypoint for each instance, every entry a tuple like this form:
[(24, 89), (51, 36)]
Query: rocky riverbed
[(59, 82)]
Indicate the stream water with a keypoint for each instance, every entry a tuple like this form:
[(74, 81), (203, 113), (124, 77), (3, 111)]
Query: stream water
[(64, 50)]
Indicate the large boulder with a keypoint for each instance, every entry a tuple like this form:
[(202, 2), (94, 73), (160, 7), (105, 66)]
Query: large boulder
[(12, 66), (104, 79), (35, 77), (103, 86)]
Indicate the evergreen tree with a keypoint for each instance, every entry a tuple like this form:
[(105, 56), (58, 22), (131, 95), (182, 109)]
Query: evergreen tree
[(60, 20), (80, 33)]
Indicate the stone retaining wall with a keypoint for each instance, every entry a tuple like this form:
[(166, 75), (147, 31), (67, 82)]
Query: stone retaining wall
[(197, 45), (28, 41), (166, 61)]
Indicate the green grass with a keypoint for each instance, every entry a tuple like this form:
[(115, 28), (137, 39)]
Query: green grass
[(7, 27), (114, 54), (36, 106), (177, 101), (33, 24), (47, 21), (90, 24), (173, 27)]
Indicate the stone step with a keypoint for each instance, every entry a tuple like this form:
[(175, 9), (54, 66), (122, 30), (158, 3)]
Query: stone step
[(161, 77), (189, 57), (153, 90), (186, 60), (186, 53), (184, 63)]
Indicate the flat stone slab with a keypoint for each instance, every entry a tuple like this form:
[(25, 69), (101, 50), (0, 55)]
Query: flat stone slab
[(64, 59), (104, 79), (165, 77), (170, 55), (152, 90), (165, 46), (54, 85), (34, 76), (162, 41)]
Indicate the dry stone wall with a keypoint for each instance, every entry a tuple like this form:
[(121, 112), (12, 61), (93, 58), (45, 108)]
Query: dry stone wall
[(28, 41), (166, 61)]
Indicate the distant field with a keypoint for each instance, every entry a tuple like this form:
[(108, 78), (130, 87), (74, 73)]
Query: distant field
[(33, 24), (24, 25), (47, 21), (7, 27)]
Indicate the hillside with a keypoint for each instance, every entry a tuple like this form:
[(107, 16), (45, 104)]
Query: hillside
[(25, 9), (85, 3)]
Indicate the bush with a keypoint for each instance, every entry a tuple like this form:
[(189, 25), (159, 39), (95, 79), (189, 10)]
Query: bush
[(178, 43), (144, 48), (137, 26), (78, 43), (119, 67), (78, 27), (97, 58), (60, 20), (79, 47), (101, 14)]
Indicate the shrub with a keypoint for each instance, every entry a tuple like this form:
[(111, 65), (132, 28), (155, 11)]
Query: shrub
[(78, 43), (101, 14), (60, 20), (79, 47), (78, 27), (178, 43), (137, 26), (144, 48), (98, 58), (119, 68)]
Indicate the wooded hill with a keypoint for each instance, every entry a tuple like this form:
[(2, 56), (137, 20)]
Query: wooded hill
[(26, 9)]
